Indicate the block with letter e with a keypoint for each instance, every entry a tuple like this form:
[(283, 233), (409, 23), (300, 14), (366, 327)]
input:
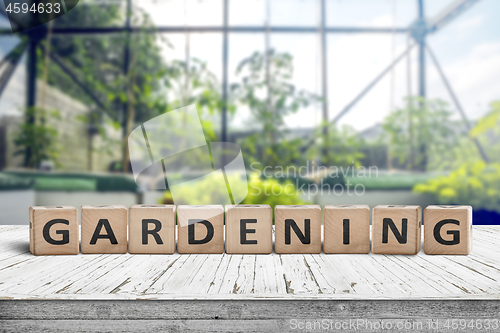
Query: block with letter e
[(396, 229), (151, 229), (347, 229), (448, 230), (249, 229), (200, 229), (54, 230), (297, 229), (104, 229)]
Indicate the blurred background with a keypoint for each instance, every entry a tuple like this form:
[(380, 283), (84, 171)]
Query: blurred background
[(380, 101)]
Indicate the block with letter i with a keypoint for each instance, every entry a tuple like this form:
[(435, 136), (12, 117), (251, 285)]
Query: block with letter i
[(297, 229), (54, 230), (104, 229), (200, 229), (249, 229), (347, 229), (396, 229), (448, 230), (151, 229)]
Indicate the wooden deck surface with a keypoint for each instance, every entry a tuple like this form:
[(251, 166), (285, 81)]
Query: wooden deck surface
[(220, 277)]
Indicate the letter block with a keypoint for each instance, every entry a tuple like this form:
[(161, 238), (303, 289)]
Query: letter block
[(151, 229), (249, 229), (104, 229), (396, 229), (297, 229), (347, 229), (200, 229), (448, 230), (54, 230)]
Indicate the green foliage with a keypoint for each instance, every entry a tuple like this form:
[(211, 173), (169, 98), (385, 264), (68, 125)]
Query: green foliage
[(267, 91), (476, 184), (423, 128), (488, 122), (38, 136), (270, 191), (343, 145)]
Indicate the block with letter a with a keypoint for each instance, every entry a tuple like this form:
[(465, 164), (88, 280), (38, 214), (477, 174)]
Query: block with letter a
[(54, 230), (297, 229), (104, 229), (200, 229), (396, 229), (249, 229), (151, 229), (448, 230)]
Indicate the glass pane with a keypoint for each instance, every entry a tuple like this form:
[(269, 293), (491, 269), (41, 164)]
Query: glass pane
[(249, 12), (294, 12)]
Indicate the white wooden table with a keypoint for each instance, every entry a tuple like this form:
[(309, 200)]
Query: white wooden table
[(268, 289)]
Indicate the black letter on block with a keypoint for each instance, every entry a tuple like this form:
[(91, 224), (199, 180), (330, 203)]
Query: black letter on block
[(455, 233), (290, 224), (401, 237), (244, 231), (109, 232), (346, 232), (208, 237), (64, 233), (154, 232)]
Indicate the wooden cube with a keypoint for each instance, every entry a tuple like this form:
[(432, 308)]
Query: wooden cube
[(347, 229), (297, 229), (200, 229), (249, 229), (448, 230), (104, 229), (151, 229), (54, 230), (396, 229)]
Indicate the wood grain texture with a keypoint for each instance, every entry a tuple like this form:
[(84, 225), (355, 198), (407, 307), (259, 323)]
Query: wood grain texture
[(300, 215), (164, 216), (227, 277), (410, 242), (358, 229), (441, 234), (259, 229), (116, 216), (214, 214), (39, 216)]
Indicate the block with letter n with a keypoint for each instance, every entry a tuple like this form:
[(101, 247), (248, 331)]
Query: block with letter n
[(54, 230), (297, 229), (396, 229)]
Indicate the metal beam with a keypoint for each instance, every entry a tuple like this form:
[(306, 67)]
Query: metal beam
[(79, 83), (225, 43), (420, 37), (482, 152), (232, 29), (449, 13)]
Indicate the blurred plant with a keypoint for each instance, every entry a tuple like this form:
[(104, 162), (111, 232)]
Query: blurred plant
[(488, 122), (38, 136), (476, 184), (267, 191), (343, 147), (267, 91), (421, 129)]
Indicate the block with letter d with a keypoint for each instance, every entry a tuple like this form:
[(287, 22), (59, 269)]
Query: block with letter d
[(297, 229), (200, 229), (151, 229), (104, 229), (396, 229), (448, 230), (249, 229), (54, 230)]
